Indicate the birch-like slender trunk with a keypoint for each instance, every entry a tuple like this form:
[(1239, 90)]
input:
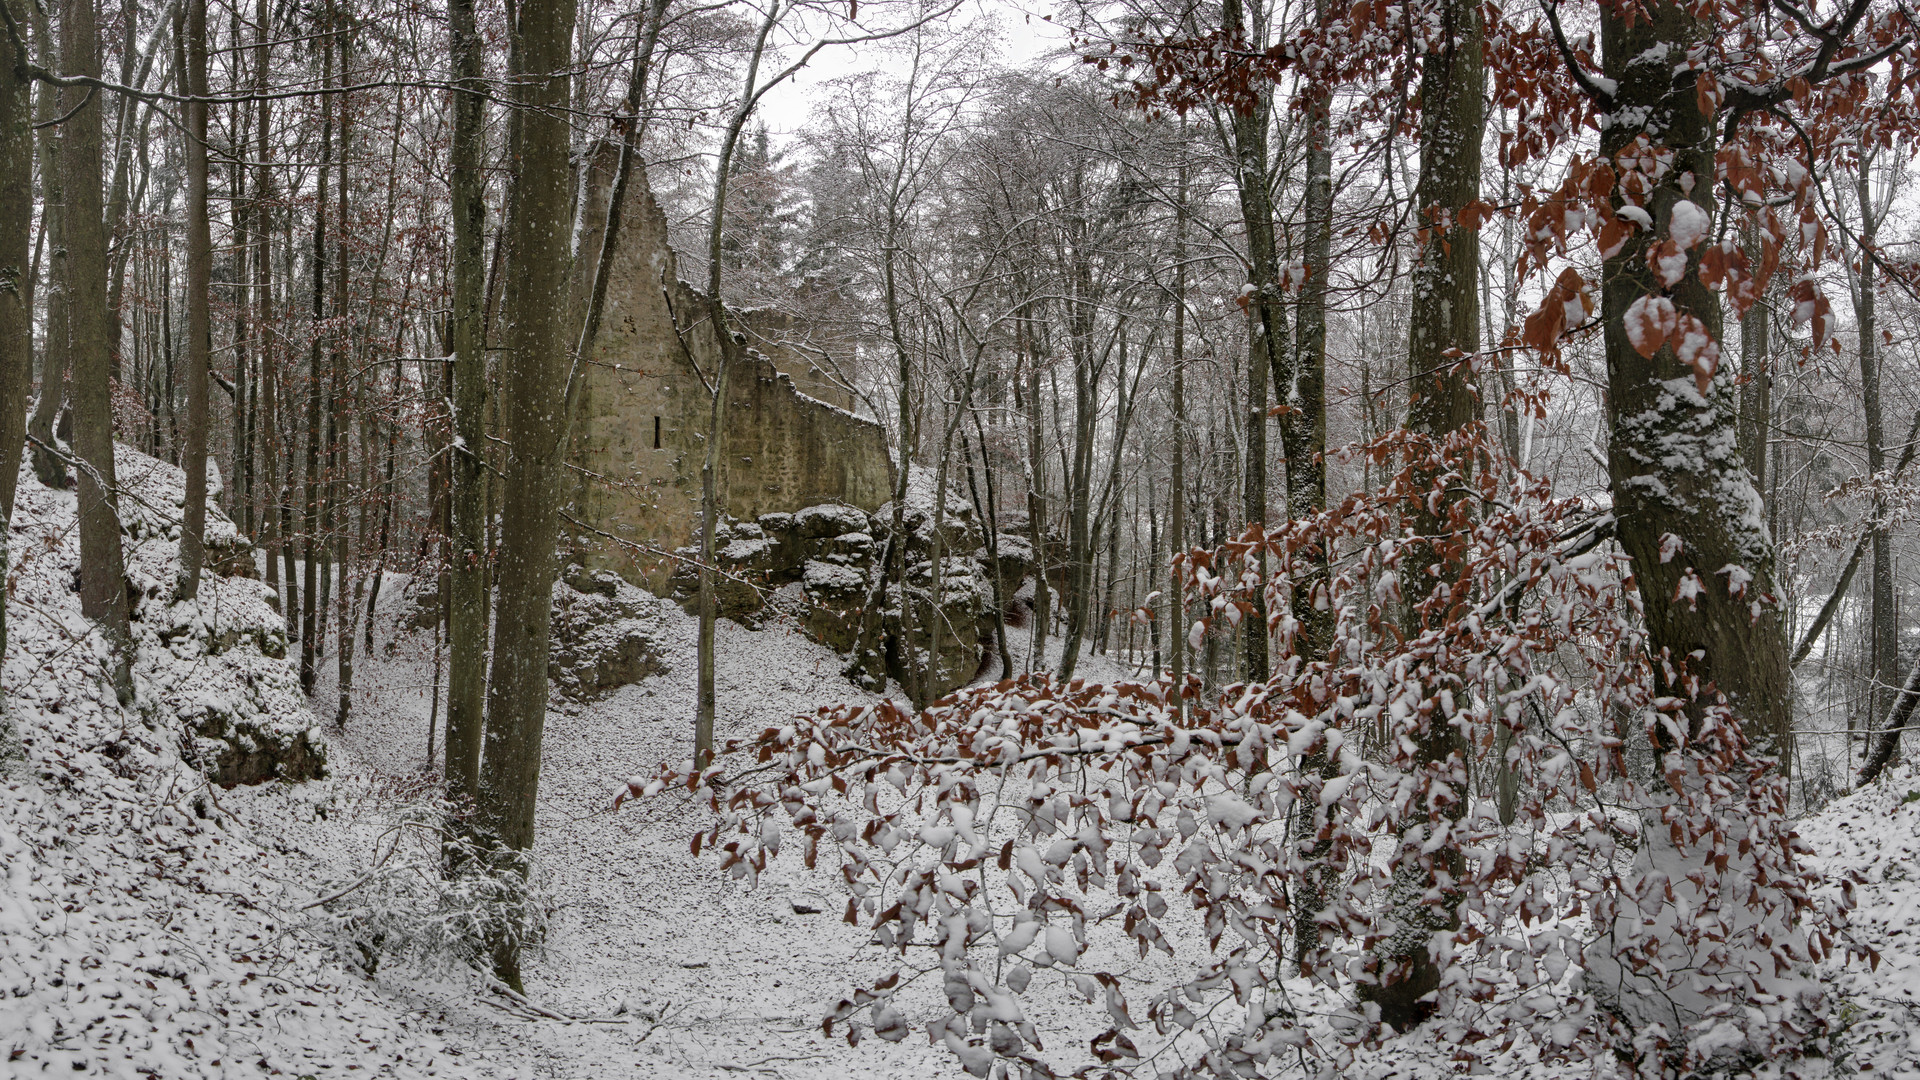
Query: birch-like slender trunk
[(710, 478), (1882, 631)]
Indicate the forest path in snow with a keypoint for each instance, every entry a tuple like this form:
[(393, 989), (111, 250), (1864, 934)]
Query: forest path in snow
[(685, 971)]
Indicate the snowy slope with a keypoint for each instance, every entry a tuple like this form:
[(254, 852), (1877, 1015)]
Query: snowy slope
[(154, 925), (1873, 837), (145, 930)]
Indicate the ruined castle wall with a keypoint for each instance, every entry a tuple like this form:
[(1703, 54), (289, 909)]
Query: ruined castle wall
[(639, 432)]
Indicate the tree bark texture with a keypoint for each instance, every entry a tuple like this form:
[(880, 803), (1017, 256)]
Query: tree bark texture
[(1444, 329), (47, 463), (103, 584), (534, 383), (467, 573), (16, 308), (199, 285), (1674, 458), (1265, 322)]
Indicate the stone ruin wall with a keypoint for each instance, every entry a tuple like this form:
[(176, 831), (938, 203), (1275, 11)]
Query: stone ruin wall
[(807, 485), (639, 436)]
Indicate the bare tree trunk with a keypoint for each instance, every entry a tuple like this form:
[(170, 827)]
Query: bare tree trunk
[(1883, 634), (534, 383), (1177, 499), (289, 443), (16, 306), (48, 465), (1079, 472), (467, 575), (1303, 425), (350, 329), (1756, 379), (1153, 561), (130, 125), (989, 514), (1303, 441), (1036, 502), (1111, 511), (103, 582), (1445, 323), (265, 358), (1265, 326), (710, 477), (389, 496), (190, 52), (895, 559), (310, 598), (1887, 740)]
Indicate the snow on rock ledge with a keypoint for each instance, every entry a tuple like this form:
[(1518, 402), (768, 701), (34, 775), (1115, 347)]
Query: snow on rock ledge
[(152, 924), (213, 685)]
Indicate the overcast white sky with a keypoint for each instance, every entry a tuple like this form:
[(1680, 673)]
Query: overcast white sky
[(1025, 36)]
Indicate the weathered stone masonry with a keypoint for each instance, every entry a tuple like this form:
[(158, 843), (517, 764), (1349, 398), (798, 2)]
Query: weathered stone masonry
[(806, 486), (639, 436)]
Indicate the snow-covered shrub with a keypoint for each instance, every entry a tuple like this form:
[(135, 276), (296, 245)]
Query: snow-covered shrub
[(1660, 913), (432, 897)]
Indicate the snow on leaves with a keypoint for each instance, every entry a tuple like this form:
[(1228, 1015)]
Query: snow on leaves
[(1568, 304), (1812, 310), (1650, 321), (1035, 831)]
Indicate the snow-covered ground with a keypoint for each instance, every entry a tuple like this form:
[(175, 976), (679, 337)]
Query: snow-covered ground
[(154, 925), (151, 924)]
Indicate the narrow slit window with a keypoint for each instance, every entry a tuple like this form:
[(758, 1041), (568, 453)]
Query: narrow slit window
[(656, 433)]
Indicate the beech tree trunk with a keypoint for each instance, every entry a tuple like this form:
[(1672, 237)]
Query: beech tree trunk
[(534, 370), (265, 356), (103, 580), (1177, 388), (16, 309), (1673, 459), (467, 574), (1445, 327), (1687, 510), (1303, 440), (312, 602), (1302, 389), (192, 53), (1266, 323), (48, 466)]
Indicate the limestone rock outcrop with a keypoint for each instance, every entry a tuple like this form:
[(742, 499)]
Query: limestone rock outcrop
[(606, 634), (823, 567)]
